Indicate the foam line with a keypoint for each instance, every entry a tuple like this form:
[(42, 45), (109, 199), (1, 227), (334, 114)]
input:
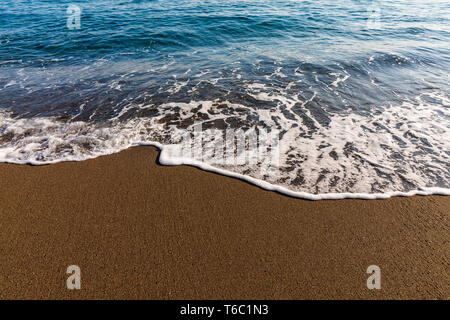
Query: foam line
[(168, 161)]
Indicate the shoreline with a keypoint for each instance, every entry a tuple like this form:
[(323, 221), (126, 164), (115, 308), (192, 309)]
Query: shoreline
[(139, 230), (165, 160)]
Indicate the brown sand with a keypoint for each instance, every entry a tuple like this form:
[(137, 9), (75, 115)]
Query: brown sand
[(140, 230)]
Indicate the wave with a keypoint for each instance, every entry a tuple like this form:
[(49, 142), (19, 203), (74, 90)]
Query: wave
[(399, 151), (358, 110)]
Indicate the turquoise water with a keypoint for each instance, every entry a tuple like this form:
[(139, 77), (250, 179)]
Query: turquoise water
[(359, 90)]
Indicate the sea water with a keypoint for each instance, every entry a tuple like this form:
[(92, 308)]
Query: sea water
[(357, 91)]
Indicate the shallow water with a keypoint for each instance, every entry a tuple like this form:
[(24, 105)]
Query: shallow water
[(358, 90)]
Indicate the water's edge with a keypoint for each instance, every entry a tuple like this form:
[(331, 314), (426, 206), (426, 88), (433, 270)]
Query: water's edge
[(165, 160)]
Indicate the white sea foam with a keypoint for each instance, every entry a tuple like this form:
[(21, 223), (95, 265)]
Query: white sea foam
[(400, 151), (338, 79)]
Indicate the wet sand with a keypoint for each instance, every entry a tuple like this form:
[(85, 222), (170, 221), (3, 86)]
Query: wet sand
[(139, 230)]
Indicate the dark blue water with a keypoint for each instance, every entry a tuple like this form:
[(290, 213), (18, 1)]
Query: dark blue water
[(358, 89)]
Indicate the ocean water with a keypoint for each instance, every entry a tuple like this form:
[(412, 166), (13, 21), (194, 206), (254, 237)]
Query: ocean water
[(358, 90)]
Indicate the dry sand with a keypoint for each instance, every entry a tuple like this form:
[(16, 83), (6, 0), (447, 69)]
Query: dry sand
[(140, 230)]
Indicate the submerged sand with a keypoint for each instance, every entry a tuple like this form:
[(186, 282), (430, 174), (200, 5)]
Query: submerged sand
[(141, 230)]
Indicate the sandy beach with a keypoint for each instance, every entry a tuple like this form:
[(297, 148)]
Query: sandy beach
[(139, 230)]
